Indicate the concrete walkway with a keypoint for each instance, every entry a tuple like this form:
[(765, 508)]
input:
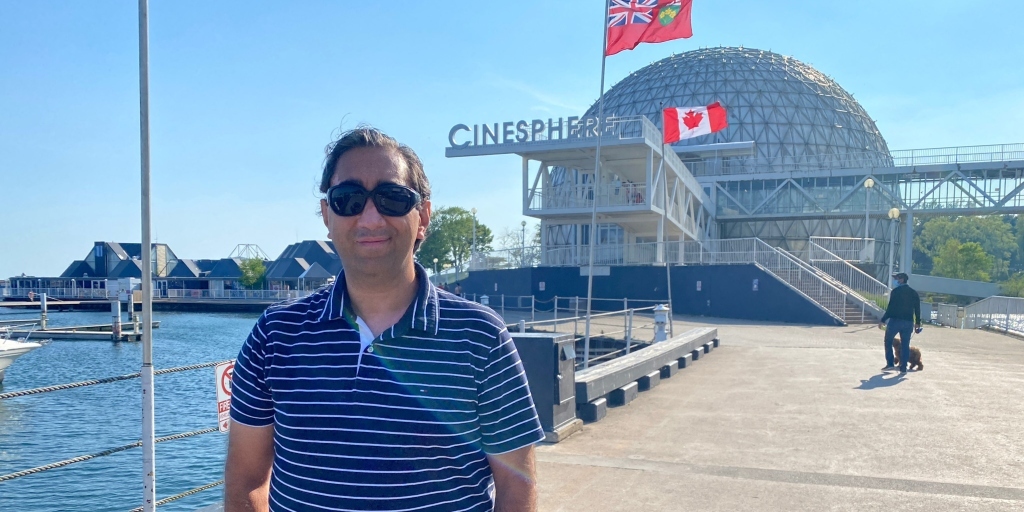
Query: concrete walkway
[(795, 418)]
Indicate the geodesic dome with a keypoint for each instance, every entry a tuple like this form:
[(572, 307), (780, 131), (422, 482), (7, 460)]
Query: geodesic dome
[(793, 112)]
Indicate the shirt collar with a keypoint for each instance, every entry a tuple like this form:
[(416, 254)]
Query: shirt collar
[(422, 314)]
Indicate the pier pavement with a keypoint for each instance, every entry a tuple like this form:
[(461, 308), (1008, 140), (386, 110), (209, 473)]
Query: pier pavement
[(800, 418)]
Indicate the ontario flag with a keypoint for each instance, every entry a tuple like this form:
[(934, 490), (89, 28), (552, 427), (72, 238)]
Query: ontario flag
[(686, 122), (631, 22)]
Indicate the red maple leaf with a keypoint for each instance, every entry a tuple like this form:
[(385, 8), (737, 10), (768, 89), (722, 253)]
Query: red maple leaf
[(692, 119)]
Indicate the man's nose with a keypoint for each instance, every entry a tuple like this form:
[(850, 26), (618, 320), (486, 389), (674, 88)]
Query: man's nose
[(370, 217)]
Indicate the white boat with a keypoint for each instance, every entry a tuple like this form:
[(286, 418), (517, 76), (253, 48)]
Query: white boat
[(11, 349)]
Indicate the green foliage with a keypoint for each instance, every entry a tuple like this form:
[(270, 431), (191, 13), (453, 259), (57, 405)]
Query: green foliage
[(450, 238), (253, 271), (962, 261), (881, 301), (993, 233), (1014, 287)]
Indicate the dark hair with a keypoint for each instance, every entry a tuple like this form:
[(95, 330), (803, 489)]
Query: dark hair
[(369, 137)]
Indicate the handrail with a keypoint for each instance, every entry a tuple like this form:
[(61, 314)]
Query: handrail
[(851, 276)]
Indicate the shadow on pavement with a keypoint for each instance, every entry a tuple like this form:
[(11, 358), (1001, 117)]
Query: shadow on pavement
[(879, 381)]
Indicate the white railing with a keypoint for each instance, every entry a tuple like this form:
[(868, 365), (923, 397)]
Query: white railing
[(520, 257), (959, 155), (849, 249), (852, 277), (864, 159), (801, 278), (233, 294), (582, 196), (59, 293), (1003, 313)]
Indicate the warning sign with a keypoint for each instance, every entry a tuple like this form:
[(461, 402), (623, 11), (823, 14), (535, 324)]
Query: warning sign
[(224, 371)]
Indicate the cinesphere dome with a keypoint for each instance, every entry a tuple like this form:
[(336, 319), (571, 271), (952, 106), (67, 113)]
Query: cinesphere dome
[(793, 112)]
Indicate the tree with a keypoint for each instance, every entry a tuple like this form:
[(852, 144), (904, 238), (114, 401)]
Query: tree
[(962, 261), (253, 271), (1014, 287), (993, 233), (450, 238)]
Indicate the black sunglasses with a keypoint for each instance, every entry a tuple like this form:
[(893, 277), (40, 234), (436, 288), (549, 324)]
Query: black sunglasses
[(391, 199)]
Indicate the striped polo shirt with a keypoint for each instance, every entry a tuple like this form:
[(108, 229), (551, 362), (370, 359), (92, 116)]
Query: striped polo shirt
[(406, 426)]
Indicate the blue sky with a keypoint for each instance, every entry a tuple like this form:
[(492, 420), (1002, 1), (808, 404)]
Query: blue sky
[(245, 95)]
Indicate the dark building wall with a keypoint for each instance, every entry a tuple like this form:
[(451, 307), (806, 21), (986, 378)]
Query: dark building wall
[(726, 291)]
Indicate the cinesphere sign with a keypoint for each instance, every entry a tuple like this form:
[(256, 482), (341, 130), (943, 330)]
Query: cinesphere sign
[(511, 132)]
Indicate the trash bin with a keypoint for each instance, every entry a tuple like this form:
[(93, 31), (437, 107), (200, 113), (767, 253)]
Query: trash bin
[(485, 300), (549, 360)]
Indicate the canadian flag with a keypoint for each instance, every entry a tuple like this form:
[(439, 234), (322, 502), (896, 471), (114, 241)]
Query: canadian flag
[(686, 122)]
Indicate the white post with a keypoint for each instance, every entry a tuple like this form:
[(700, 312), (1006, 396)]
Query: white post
[(115, 319), (595, 185), (629, 330), (660, 320), (42, 311), (556, 313), (533, 308), (148, 404), (503, 306), (892, 244)]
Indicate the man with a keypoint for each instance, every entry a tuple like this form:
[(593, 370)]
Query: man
[(904, 308), (379, 392)]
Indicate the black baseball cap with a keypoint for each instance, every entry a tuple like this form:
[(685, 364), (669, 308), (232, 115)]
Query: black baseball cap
[(901, 276)]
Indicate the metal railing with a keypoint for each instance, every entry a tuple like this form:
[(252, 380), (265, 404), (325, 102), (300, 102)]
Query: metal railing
[(959, 154), (863, 159), (949, 315), (582, 196), (232, 294), (801, 278), (1002, 313), (850, 276), (849, 249), (60, 293), (613, 333)]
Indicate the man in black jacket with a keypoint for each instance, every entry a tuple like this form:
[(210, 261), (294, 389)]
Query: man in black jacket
[(904, 316)]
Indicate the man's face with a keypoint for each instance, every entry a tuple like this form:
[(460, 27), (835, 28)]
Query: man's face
[(371, 243)]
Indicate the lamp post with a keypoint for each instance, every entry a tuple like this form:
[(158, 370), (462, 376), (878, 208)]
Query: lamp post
[(868, 185), (894, 217), (522, 257), (436, 278), (472, 253)]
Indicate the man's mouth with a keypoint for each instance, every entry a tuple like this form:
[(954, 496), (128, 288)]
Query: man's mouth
[(372, 241)]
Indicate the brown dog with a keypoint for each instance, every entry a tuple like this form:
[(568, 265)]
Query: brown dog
[(915, 354)]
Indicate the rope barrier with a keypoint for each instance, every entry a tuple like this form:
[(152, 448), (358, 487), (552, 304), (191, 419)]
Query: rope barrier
[(183, 495), (103, 453), (46, 389)]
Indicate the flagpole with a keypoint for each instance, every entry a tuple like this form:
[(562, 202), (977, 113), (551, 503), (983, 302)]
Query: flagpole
[(664, 239), (596, 184), (148, 404)]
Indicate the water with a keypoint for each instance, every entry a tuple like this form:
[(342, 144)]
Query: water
[(49, 427)]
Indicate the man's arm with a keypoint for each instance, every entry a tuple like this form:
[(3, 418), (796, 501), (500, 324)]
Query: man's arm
[(515, 480), (247, 472), (917, 307)]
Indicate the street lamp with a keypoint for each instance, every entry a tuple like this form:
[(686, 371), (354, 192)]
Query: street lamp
[(472, 254), (894, 217), (522, 257), (868, 185), (436, 279)]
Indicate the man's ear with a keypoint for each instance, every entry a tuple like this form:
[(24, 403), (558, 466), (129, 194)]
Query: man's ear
[(324, 211), (421, 233)]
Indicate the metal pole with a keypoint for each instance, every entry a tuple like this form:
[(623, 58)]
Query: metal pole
[(533, 308), (148, 404), (668, 266), (867, 211), (503, 305), (556, 313), (629, 330), (597, 181), (42, 311), (892, 243)]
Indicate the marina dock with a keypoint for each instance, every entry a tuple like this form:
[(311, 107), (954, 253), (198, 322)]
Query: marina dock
[(103, 332)]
